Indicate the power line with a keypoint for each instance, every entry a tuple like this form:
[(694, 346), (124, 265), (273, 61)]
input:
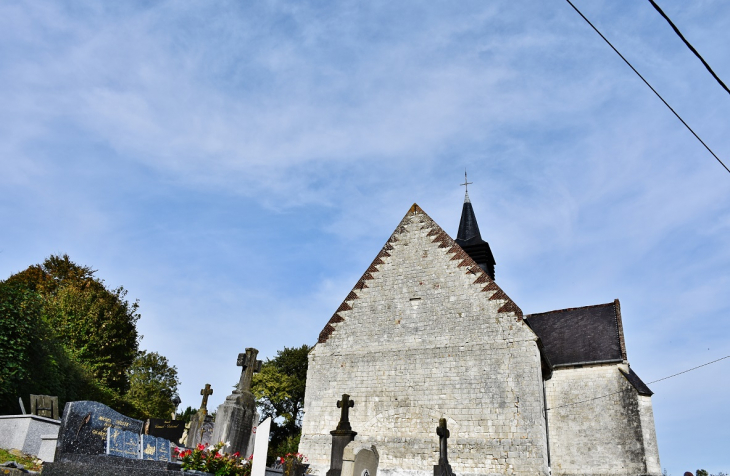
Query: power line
[(679, 33), (628, 389), (689, 370), (650, 87)]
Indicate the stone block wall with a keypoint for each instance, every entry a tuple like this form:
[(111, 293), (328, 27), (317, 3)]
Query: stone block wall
[(425, 334), (610, 435)]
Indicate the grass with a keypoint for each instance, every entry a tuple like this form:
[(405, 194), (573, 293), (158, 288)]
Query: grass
[(29, 462)]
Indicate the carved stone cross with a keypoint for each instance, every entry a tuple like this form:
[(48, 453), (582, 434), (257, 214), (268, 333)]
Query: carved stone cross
[(205, 392), (443, 434), (345, 404), (249, 365)]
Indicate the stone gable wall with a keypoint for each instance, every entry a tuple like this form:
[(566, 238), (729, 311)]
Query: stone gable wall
[(423, 336), (599, 436)]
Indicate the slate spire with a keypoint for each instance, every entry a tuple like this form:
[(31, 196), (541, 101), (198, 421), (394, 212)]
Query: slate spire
[(469, 238), (468, 227)]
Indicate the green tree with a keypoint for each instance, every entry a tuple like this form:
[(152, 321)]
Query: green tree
[(187, 414), (20, 315), (96, 324), (152, 384), (701, 472), (32, 358), (63, 332), (279, 391)]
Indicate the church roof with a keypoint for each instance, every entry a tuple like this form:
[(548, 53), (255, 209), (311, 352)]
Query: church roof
[(581, 335)]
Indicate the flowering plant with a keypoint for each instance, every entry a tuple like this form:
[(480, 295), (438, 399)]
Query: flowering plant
[(211, 459), (294, 464)]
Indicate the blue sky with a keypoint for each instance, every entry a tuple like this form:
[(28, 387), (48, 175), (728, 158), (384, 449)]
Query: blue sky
[(237, 165)]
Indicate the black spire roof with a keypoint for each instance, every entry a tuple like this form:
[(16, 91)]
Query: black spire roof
[(468, 227), (471, 241)]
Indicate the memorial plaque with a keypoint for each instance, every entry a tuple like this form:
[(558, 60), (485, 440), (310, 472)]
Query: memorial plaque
[(154, 448), (122, 443), (84, 427), (171, 430)]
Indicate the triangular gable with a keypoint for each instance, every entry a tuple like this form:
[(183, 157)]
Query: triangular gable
[(460, 259)]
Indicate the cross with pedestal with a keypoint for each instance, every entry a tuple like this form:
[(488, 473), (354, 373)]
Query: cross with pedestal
[(249, 365), (341, 436), (205, 393)]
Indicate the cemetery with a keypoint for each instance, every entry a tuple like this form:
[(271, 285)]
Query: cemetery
[(90, 438), (390, 406)]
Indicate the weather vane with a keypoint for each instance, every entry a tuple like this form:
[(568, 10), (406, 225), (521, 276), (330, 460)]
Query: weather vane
[(466, 183)]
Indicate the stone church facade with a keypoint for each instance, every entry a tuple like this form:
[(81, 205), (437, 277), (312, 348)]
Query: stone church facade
[(426, 333)]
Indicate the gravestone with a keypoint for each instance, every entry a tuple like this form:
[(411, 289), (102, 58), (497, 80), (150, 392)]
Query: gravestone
[(359, 459), (45, 406), (443, 468), (171, 430), (261, 448), (235, 416), (84, 428), (341, 436), (123, 443), (206, 431), (197, 422)]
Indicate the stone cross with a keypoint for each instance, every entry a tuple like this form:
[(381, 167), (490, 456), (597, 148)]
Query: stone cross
[(443, 434), (345, 404), (205, 392), (249, 365), (341, 437)]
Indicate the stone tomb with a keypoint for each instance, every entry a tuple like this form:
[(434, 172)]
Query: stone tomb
[(84, 428), (90, 429)]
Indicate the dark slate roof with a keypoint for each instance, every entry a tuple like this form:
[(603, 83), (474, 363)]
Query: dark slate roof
[(581, 335), (468, 227), (638, 384), (470, 240)]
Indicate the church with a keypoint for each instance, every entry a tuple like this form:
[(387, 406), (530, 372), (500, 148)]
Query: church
[(427, 333)]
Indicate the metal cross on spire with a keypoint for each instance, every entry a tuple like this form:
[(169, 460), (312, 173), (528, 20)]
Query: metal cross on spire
[(466, 183)]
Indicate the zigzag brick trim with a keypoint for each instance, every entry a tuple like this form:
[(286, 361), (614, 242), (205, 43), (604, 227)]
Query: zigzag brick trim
[(445, 241), (326, 333), (335, 319)]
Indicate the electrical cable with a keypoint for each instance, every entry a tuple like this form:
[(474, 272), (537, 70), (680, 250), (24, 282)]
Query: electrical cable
[(628, 389), (679, 33), (650, 87)]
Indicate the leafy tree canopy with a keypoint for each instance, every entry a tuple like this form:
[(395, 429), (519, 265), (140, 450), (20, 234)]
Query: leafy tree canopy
[(279, 391), (152, 384), (64, 332), (96, 324)]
